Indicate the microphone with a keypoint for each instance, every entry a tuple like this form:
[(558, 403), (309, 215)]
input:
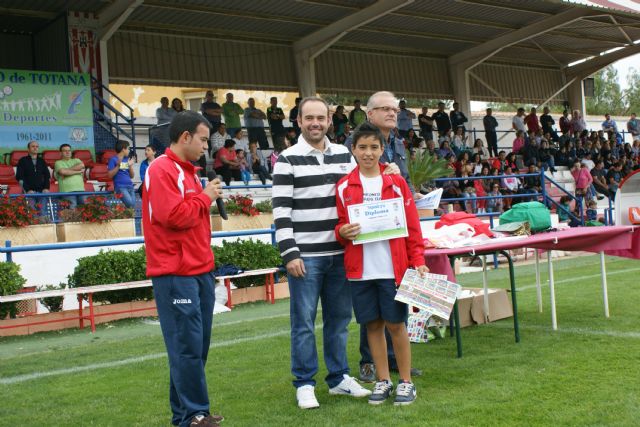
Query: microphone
[(219, 203)]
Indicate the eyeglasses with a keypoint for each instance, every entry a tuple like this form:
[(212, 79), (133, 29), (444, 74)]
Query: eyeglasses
[(387, 109)]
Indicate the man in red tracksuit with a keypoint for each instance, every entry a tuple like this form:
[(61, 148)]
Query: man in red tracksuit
[(175, 218)]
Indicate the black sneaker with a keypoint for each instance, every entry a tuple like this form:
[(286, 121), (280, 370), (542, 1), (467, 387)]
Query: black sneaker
[(405, 394), (381, 392), (367, 373)]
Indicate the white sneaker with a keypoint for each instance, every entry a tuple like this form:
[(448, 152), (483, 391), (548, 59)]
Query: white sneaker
[(351, 387), (307, 397)]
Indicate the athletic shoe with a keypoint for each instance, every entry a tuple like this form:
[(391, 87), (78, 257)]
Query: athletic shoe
[(306, 397), (381, 392), (216, 418), (350, 386), (203, 421), (405, 394), (415, 372), (368, 373)]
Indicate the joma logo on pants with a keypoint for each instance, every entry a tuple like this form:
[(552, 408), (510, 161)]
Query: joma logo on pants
[(182, 301)]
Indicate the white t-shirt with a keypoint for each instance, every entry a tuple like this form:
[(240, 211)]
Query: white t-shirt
[(518, 122), (376, 256)]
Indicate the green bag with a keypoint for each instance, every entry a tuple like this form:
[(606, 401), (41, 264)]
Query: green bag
[(535, 213)]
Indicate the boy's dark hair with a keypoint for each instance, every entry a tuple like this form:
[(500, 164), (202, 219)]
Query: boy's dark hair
[(152, 147), (186, 121), (239, 150), (121, 145), (367, 129), (64, 145), (229, 143)]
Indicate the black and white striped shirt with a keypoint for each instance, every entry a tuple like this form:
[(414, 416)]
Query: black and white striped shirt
[(304, 198)]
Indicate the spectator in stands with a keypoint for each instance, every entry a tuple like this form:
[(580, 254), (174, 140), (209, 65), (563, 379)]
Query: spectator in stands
[(357, 116), (254, 121), (577, 124), (588, 162), (490, 125), (565, 122), (459, 143), (547, 157), (530, 153), (592, 210), (468, 192), (443, 122), (633, 127), (240, 140), (451, 190), (500, 163), (531, 184), (69, 173), (510, 185), (582, 178), (121, 171), (412, 141), (445, 150), (176, 105), (599, 176), (496, 204), (458, 119), (258, 162), (547, 122), (518, 142), (475, 164), (275, 116), (277, 149), (339, 120), (226, 163), (482, 187), (609, 125), (150, 156), (405, 119), (479, 148), (211, 111), (531, 120), (511, 161), (562, 157), (293, 116), (462, 162), (32, 172), (164, 114), (245, 173), (231, 112), (175, 215), (218, 139), (635, 149), (431, 147), (564, 209), (517, 122), (425, 121)]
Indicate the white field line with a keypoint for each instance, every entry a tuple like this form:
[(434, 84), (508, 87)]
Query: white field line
[(218, 324), (94, 366)]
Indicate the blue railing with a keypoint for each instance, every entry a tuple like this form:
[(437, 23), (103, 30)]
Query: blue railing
[(122, 121), (50, 206)]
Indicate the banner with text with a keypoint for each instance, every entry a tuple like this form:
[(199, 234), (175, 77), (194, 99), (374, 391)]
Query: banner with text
[(49, 107)]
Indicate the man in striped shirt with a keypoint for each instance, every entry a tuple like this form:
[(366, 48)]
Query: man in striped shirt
[(304, 210)]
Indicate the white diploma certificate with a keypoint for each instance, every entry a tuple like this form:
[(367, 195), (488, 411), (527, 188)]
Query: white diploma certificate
[(381, 220)]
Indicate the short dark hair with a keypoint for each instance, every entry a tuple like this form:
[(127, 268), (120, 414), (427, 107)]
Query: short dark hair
[(367, 129), (152, 147), (29, 143), (239, 150), (121, 145), (64, 145), (311, 99), (186, 121), (229, 143)]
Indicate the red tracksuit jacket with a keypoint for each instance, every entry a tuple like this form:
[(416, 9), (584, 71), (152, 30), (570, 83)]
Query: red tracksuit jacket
[(175, 219), (405, 252)]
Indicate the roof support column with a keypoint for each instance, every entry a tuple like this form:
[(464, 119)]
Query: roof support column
[(310, 47), (459, 78), (575, 93)]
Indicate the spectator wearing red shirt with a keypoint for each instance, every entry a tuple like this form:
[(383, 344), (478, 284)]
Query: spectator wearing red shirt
[(532, 122), (226, 163)]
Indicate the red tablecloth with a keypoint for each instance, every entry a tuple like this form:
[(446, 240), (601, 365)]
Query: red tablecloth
[(615, 240)]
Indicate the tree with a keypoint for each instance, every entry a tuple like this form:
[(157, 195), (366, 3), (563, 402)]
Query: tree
[(607, 97), (632, 93)]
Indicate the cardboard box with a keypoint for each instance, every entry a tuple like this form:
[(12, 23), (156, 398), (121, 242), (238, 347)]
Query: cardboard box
[(471, 308)]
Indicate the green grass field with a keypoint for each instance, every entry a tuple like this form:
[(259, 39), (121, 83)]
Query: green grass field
[(584, 374)]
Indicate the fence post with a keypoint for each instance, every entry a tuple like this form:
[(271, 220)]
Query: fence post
[(7, 244), (543, 187)]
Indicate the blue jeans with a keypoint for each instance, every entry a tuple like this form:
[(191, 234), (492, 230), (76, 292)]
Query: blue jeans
[(74, 201), (128, 196), (185, 310), (326, 281)]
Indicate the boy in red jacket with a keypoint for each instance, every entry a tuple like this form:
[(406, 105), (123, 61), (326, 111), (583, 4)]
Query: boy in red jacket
[(375, 269)]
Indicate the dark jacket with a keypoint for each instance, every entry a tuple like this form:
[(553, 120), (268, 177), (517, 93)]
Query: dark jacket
[(33, 178)]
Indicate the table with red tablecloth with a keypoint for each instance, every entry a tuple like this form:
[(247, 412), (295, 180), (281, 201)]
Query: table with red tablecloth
[(614, 240)]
